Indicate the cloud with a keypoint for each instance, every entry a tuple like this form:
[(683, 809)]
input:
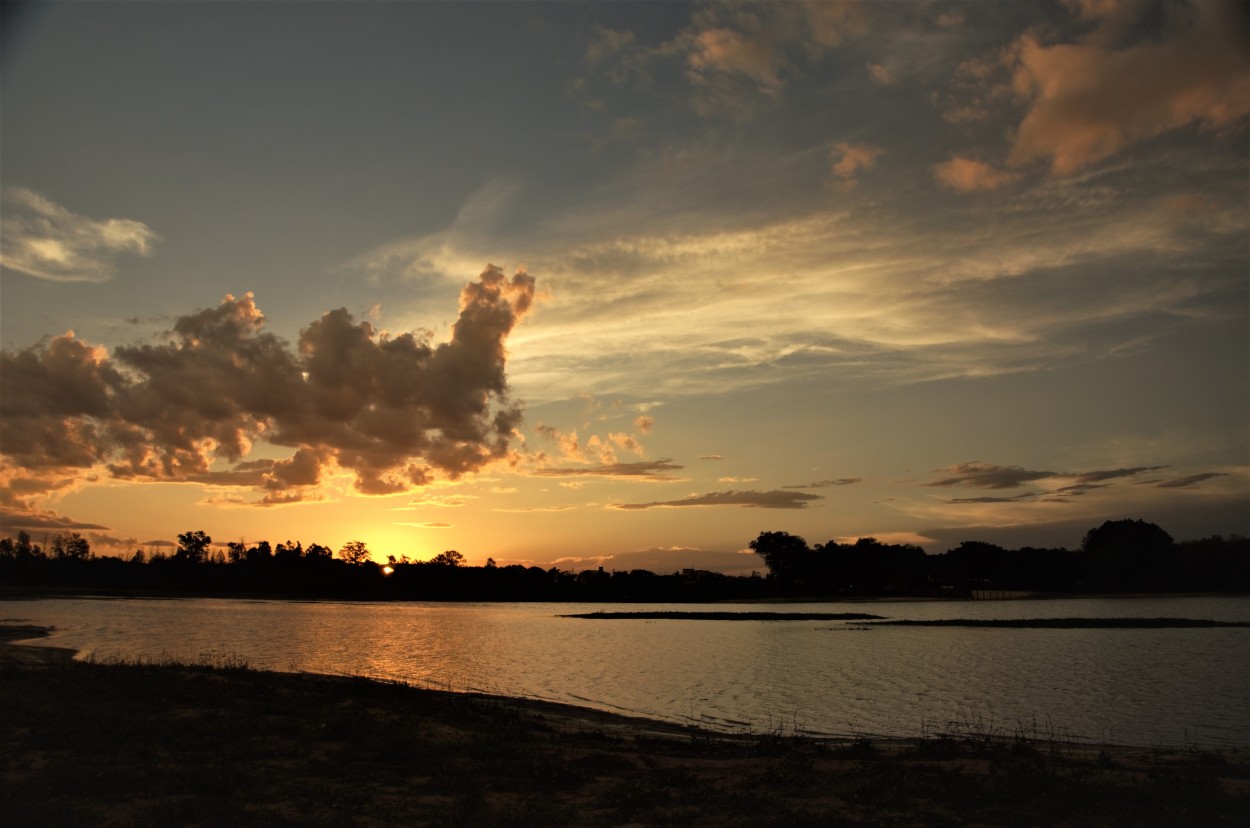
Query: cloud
[(880, 74), (822, 484), (966, 175), (394, 412), (733, 59), (731, 52), (989, 476), (1085, 478), (603, 448), (12, 522), (988, 499), (47, 241), (642, 470), (605, 43), (1191, 480), (848, 160), (525, 510), (749, 499), (438, 502), (1091, 99), (449, 252)]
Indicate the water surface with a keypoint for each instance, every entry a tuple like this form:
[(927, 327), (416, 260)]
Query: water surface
[(1126, 686)]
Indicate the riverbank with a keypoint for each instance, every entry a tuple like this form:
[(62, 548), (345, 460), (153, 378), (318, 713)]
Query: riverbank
[(141, 744)]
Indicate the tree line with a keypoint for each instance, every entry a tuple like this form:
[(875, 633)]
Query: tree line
[(1117, 556)]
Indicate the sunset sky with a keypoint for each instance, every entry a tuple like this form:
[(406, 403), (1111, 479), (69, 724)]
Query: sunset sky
[(624, 284)]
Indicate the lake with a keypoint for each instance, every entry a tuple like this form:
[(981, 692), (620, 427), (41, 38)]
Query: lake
[(1143, 687)]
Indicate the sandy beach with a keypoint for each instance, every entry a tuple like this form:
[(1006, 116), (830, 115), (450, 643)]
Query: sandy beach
[(169, 744)]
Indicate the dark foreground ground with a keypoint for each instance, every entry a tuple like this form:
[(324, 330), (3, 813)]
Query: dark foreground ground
[(110, 744)]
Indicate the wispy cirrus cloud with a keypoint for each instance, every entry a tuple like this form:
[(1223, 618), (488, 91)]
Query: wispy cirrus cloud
[(43, 239), (747, 499)]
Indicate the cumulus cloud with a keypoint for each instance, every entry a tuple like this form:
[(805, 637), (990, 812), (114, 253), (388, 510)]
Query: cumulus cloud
[(967, 175), (600, 448), (748, 499), (1093, 98), (395, 412), (47, 241)]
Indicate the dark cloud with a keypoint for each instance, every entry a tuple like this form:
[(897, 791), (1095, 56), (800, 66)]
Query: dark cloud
[(11, 522), (988, 499), (395, 411), (750, 499), (1097, 476), (989, 476), (646, 470), (1183, 482), (824, 484)]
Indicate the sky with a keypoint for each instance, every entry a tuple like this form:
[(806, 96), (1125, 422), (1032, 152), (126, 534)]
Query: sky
[(623, 284)]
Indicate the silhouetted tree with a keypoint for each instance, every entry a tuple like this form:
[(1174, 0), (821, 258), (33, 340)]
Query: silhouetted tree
[(354, 552), (316, 551), (289, 552), (260, 554), (73, 546), (449, 558), (785, 555), (192, 547), (1128, 554), (23, 548)]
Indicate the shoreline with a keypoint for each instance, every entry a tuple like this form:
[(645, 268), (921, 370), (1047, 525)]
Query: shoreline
[(205, 745)]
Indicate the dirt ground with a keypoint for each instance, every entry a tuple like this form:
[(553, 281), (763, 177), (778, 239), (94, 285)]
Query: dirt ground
[(168, 744)]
